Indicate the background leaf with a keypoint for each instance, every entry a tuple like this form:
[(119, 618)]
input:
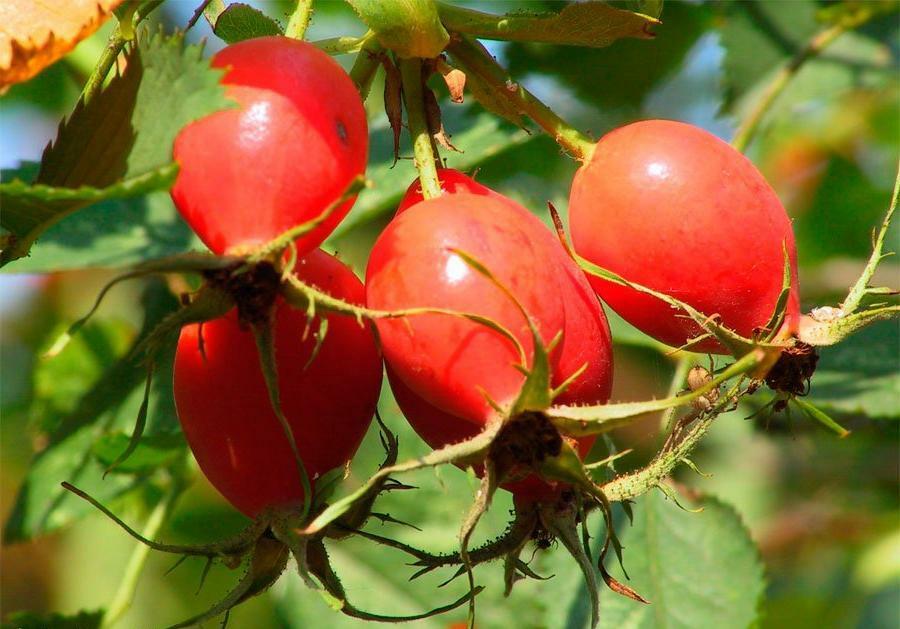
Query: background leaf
[(678, 560), (74, 427), (241, 21), (861, 376)]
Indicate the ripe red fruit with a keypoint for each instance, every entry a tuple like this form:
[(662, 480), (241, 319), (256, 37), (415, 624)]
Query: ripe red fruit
[(485, 223), (224, 406), (672, 207), (452, 181), (291, 148)]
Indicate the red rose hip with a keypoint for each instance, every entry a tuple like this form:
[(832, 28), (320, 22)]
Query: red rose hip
[(287, 152), (224, 406), (670, 206)]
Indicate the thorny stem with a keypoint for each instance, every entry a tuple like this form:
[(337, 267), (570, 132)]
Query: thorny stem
[(632, 485), (411, 73), (124, 596), (817, 44), (299, 20), (475, 59), (854, 297)]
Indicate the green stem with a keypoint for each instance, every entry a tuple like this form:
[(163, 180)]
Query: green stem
[(630, 486), (411, 74), (95, 81), (817, 44), (124, 596), (365, 67), (476, 60), (854, 297), (299, 20), (120, 36)]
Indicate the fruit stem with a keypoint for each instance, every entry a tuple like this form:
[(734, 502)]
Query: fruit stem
[(124, 596), (411, 76), (368, 59), (821, 40), (474, 59), (299, 20)]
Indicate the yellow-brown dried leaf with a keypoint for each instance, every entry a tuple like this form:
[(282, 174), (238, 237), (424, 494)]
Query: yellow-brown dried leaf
[(35, 33)]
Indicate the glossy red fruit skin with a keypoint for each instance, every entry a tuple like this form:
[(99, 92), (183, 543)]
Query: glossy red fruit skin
[(586, 340), (452, 181), (670, 206), (295, 143), (450, 361), (224, 407)]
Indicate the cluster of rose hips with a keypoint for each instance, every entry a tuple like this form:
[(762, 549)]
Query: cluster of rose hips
[(485, 285)]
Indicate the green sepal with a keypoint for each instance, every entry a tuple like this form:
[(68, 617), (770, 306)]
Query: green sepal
[(307, 297), (591, 420), (536, 393), (410, 28), (195, 262), (736, 344), (265, 345), (466, 452), (267, 563), (139, 425), (773, 325), (813, 412)]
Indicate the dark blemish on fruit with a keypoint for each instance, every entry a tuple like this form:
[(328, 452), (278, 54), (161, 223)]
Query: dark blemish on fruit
[(341, 131)]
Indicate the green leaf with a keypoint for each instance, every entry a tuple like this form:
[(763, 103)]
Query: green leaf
[(60, 382), (411, 28), (697, 570), (591, 24), (861, 375), (29, 210), (111, 403), (31, 620), (241, 21), (125, 132), (617, 95), (112, 234)]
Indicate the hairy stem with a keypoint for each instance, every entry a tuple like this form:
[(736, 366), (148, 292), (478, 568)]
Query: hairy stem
[(634, 484), (299, 20), (411, 73), (475, 59)]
